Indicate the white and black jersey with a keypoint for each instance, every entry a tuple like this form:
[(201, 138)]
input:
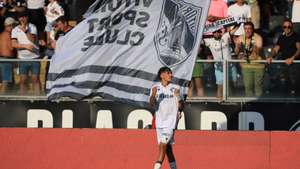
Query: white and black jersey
[(167, 108)]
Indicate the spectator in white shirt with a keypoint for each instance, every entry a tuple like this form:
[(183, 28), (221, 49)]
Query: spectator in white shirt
[(24, 39), (53, 11), (240, 9), (219, 46)]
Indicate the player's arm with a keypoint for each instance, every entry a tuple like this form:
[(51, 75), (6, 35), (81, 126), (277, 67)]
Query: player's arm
[(180, 100), (153, 96)]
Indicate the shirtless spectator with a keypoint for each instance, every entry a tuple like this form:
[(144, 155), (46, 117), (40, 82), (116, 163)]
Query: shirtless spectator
[(249, 47), (6, 52)]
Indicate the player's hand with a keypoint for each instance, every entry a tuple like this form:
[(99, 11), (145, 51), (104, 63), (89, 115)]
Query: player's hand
[(154, 91), (179, 115), (153, 96), (177, 93)]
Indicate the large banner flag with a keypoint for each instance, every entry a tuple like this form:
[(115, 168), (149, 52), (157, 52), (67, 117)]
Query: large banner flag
[(117, 50)]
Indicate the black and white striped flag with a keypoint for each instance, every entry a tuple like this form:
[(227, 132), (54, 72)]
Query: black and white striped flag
[(117, 50)]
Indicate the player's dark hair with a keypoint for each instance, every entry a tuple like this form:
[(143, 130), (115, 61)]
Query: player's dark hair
[(162, 70)]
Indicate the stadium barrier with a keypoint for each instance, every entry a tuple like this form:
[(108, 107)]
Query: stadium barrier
[(136, 149), (275, 83)]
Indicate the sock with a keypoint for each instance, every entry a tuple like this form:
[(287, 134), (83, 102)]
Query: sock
[(173, 165), (157, 165)]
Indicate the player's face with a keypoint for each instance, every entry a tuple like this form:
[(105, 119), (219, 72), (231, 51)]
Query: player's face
[(166, 76)]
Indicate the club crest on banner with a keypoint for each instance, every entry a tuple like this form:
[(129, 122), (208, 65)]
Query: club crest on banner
[(177, 31)]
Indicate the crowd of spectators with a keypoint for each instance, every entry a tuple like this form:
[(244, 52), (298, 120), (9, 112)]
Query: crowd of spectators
[(33, 26), (253, 75)]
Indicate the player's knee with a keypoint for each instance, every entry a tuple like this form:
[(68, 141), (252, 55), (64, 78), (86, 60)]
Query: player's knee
[(165, 139)]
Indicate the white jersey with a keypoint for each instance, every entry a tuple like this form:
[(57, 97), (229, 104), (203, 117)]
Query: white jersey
[(167, 110)]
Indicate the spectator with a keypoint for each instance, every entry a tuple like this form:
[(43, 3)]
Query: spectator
[(197, 81), (3, 8), (279, 7), (6, 52), (265, 14), (217, 10), (20, 3), (219, 46), (62, 28), (62, 25), (14, 6), (37, 16), (53, 11), (249, 47), (24, 39), (230, 2), (50, 45), (288, 45), (242, 10), (255, 13), (290, 8), (296, 11)]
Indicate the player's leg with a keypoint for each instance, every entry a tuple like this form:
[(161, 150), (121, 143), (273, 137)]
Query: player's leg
[(161, 155), (163, 138), (171, 157)]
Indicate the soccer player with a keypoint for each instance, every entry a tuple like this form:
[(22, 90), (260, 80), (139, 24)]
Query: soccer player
[(165, 98)]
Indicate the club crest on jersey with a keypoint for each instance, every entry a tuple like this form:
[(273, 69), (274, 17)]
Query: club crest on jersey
[(177, 31)]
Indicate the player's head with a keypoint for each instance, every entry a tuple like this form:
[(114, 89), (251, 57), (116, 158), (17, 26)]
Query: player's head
[(165, 74)]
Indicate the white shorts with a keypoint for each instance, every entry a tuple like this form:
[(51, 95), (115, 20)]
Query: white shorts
[(165, 135)]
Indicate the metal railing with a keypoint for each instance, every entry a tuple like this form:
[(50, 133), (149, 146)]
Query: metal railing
[(275, 74), (233, 90)]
